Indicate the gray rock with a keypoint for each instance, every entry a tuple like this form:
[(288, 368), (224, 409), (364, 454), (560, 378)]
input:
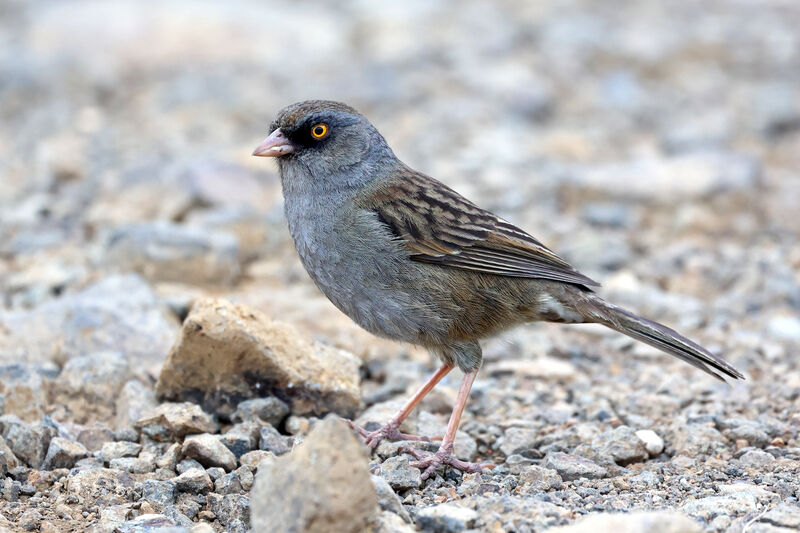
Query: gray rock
[(209, 451), (94, 437), (270, 409), (755, 459), (162, 251), (752, 431), (232, 510), (571, 467), (272, 441), (693, 439), (8, 457), (194, 481), (228, 484), (518, 439), (784, 515), (188, 464), (215, 472), (177, 517), (446, 518), (135, 465), (115, 450), (105, 487), (620, 445), (134, 401), (541, 479), (323, 485), (29, 442), (169, 459), (119, 313), (159, 493), (63, 453), (246, 477), (388, 499), (389, 522), (649, 521), (734, 500), (150, 523), (242, 438), (399, 474), (174, 420), (24, 389)]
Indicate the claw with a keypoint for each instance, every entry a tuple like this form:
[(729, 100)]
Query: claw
[(444, 456), (386, 432)]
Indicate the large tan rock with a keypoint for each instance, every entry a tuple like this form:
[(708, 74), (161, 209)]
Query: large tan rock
[(227, 353), (323, 486)]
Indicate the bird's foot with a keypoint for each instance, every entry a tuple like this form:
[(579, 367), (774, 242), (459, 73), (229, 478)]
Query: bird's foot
[(388, 432), (444, 456)]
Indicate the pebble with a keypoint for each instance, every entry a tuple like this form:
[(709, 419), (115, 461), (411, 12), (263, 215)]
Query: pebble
[(652, 442), (270, 409), (399, 474), (194, 481), (209, 451), (63, 453), (571, 467), (446, 518)]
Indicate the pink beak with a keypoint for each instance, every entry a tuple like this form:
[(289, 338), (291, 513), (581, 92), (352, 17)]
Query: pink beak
[(275, 145)]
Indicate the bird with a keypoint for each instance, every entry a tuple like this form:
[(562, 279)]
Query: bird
[(409, 259)]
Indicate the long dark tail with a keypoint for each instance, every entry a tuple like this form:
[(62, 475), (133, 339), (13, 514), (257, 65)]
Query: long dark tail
[(658, 336)]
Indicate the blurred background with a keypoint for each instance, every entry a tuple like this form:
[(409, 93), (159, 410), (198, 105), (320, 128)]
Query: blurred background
[(655, 145)]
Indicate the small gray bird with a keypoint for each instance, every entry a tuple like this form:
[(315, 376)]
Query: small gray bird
[(409, 259)]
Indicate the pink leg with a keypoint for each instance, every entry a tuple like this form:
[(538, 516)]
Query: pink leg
[(445, 456), (389, 430)]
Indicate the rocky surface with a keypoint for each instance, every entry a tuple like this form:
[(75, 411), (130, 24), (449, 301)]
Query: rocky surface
[(655, 147)]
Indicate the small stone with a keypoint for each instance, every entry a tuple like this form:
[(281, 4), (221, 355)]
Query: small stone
[(399, 474), (620, 445), (228, 484), (30, 520), (323, 485), (388, 499), (115, 450), (93, 438), (232, 511), (752, 431), (637, 522), (149, 523), (541, 479), (169, 459), (103, 486), (194, 481), (134, 465), (159, 493), (270, 409), (446, 518), (215, 472), (135, 400), (23, 387), (696, 438), (272, 441), (209, 451), (9, 459), (63, 453), (188, 464), (177, 517), (253, 459), (174, 420), (231, 351), (242, 438), (28, 442), (518, 440), (89, 385), (571, 467), (739, 502), (755, 459), (652, 442), (126, 433), (246, 477)]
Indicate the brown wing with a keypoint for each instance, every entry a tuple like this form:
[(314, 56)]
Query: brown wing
[(440, 226)]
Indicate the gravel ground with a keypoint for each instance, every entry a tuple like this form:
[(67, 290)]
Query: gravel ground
[(166, 365)]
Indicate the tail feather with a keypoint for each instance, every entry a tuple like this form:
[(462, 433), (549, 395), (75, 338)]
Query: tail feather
[(661, 337)]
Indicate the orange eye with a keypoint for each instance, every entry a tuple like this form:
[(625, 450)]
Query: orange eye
[(319, 131)]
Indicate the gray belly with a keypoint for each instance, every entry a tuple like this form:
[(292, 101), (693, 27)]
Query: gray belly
[(369, 277)]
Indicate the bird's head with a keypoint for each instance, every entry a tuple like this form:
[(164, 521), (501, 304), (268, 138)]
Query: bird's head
[(322, 138)]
